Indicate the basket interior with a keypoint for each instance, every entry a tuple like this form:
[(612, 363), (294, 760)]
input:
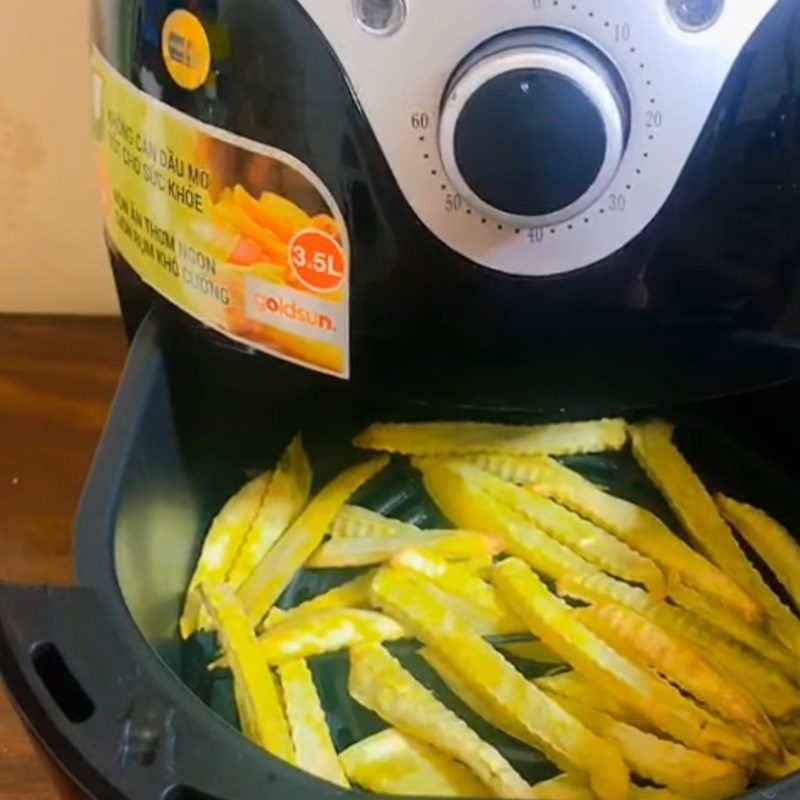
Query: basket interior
[(201, 440)]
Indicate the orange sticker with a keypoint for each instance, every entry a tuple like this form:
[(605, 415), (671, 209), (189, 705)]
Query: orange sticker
[(317, 260), (186, 50)]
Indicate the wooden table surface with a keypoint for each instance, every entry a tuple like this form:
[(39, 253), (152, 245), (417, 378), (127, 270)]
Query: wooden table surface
[(57, 378)]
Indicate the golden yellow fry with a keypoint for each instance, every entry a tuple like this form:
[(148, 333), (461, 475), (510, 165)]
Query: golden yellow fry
[(274, 572), (483, 623), (480, 566), (649, 645), (636, 526), (353, 522), (352, 594), (282, 215), (651, 793), (776, 692), (688, 772), (275, 214), (668, 469), (325, 632), (789, 733), (368, 550), (562, 787), (553, 622), (522, 470), (463, 503), (769, 539), (477, 597), (585, 538), (566, 787), (474, 699), (286, 496), (225, 536), (533, 650), (734, 625), (573, 686), (390, 762), (327, 224), (257, 697), (314, 750), (452, 438), (772, 769), (380, 683), (515, 701), (233, 216)]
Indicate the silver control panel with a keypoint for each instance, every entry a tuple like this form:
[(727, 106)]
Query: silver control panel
[(647, 77)]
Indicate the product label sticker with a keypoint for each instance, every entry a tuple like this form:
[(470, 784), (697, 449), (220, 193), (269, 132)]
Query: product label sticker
[(241, 236), (186, 49)]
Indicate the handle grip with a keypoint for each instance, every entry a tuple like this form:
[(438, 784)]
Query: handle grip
[(116, 728)]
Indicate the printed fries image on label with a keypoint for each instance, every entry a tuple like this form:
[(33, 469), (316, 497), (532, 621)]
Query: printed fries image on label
[(241, 236)]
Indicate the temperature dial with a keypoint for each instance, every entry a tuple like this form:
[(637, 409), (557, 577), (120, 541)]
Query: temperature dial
[(534, 126)]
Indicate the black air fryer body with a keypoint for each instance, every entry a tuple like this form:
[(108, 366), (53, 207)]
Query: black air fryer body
[(706, 291), (540, 237)]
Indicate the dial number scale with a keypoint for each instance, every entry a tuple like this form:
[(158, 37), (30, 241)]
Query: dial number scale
[(533, 127), (556, 141)]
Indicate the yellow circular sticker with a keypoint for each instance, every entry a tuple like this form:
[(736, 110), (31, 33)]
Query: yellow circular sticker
[(186, 50)]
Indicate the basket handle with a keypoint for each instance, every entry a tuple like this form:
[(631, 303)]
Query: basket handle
[(115, 728)]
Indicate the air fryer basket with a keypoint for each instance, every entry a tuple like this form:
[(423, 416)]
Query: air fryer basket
[(99, 674)]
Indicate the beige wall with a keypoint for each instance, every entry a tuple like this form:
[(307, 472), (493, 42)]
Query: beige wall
[(51, 252)]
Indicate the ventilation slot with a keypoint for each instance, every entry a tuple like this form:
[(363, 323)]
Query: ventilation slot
[(61, 684)]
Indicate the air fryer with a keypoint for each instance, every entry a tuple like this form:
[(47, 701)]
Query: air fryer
[(552, 210)]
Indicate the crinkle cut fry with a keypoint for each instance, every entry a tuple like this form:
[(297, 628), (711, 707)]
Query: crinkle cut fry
[(757, 638), (381, 684), (325, 632), (773, 543), (286, 496), (472, 698), (583, 537), (220, 547), (351, 594), (274, 572), (515, 700), (391, 762), (463, 503), (477, 618), (452, 438), (672, 474), (564, 787), (553, 621), (370, 550), (258, 700), (471, 597), (574, 687), (314, 750), (353, 522), (776, 692), (648, 644), (636, 526), (688, 772)]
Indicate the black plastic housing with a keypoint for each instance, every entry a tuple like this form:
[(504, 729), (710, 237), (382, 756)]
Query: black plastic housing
[(716, 271)]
